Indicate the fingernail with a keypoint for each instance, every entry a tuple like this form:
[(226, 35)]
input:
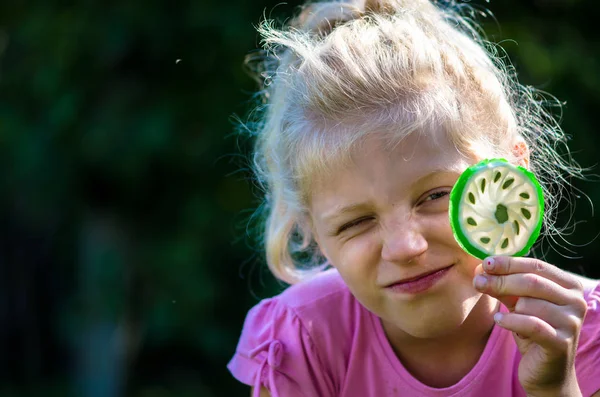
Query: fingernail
[(480, 281), (489, 263), (498, 317)]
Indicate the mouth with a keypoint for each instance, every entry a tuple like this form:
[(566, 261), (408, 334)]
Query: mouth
[(418, 277)]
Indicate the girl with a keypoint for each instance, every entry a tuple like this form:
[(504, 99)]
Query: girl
[(371, 111)]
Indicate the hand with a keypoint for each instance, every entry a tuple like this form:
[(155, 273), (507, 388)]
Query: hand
[(546, 310)]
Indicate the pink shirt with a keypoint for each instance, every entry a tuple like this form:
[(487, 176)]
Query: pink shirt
[(316, 340)]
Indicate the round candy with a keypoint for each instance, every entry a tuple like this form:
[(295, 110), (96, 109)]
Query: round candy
[(496, 208)]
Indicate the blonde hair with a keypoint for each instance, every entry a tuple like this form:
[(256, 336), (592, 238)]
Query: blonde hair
[(341, 69)]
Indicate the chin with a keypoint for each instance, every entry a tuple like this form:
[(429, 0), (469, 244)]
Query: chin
[(434, 326), (435, 320)]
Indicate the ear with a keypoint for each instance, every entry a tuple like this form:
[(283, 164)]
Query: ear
[(521, 152)]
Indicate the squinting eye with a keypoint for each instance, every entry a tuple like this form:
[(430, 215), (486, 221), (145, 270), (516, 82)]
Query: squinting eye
[(351, 224)]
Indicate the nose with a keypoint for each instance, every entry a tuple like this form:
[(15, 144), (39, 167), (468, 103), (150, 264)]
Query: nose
[(403, 243)]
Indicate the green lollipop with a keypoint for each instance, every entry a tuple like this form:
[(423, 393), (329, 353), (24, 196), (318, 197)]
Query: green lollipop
[(496, 208)]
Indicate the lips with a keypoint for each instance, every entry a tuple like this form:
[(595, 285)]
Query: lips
[(414, 278)]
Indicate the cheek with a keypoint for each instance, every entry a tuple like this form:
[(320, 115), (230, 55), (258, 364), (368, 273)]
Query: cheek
[(467, 268), (358, 257), (358, 262), (438, 229)]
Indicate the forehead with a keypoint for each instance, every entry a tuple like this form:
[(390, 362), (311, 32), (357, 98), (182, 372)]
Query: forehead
[(417, 149), (379, 165)]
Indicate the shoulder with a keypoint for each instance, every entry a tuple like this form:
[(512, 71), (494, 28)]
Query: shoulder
[(303, 333), (591, 323), (312, 307), (302, 309), (589, 284), (327, 310), (590, 331), (588, 349), (591, 293), (319, 296)]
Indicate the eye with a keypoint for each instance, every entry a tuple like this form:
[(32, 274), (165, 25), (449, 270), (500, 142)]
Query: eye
[(436, 195), (353, 223)]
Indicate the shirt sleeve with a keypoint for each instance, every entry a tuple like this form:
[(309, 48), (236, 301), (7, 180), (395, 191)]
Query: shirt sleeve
[(276, 351), (587, 361)]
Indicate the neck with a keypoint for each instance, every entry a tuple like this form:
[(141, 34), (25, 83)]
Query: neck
[(444, 361)]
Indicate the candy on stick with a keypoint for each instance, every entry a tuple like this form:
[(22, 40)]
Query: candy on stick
[(496, 208)]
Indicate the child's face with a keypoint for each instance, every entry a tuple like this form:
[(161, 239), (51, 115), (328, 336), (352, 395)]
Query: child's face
[(396, 227)]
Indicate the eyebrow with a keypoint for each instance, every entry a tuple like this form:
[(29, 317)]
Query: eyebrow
[(337, 213), (355, 207)]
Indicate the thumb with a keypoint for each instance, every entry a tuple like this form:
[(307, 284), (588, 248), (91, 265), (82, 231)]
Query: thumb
[(510, 301)]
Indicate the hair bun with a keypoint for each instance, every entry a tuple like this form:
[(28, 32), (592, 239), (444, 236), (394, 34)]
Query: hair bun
[(322, 17), (391, 7), (383, 6)]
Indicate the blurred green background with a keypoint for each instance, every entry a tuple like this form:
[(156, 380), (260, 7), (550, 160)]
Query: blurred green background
[(126, 267)]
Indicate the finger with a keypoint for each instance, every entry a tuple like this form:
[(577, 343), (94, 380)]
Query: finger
[(532, 328), (501, 265), (508, 301), (566, 318), (479, 270), (524, 284)]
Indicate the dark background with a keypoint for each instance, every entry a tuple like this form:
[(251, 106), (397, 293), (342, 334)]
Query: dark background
[(125, 264)]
